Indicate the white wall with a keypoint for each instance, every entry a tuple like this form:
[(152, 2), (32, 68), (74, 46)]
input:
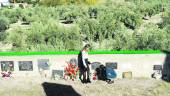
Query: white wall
[(141, 65)]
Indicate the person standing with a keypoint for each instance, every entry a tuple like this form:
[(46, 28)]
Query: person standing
[(83, 64)]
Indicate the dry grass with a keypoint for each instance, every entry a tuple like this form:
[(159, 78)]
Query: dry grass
[(122, 87)]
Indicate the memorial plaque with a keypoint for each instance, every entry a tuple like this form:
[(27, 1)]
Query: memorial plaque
[(111, 65), (25, 66), (95, 65), (59, 73), (43, 64), (7, 65), (157, 67), (127, 75), (74, 61)]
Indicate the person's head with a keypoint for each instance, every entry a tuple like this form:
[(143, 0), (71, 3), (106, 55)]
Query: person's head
[(86, 47)]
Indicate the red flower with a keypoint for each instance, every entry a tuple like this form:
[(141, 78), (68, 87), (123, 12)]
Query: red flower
[(71, 70)]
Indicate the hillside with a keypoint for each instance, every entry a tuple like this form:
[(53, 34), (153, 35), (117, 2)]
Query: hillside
[(64, 26)]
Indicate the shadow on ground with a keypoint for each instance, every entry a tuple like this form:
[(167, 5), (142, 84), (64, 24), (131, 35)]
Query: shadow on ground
[(166, 67), (54, 89)]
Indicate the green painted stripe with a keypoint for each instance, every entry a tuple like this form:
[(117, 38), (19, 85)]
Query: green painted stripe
[(76, 52)]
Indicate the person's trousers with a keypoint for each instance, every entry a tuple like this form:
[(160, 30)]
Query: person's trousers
[(88, 72), (85, 73)]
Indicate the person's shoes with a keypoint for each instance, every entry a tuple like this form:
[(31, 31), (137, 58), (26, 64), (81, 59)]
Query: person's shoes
[(84, 81), (80, 79), (110, 82), (88, 80)]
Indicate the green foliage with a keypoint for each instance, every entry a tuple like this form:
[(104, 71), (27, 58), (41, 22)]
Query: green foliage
[(151, 7), (50, 37), (3, 35), (4, 23), (128, 17), (153, 38), (51, 2), (27, 1), (166, 21), (72, 12), (11, 15), (68, 2), (91, 2), (110, 26), (17, 38)]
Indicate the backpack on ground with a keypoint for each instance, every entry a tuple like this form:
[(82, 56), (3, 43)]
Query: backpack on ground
[(101, 72)]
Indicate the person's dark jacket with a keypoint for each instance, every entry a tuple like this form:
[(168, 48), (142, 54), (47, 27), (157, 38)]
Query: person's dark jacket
[(80, 62)]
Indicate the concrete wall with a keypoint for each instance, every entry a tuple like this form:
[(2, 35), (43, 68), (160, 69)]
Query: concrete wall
[(141, 65)]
